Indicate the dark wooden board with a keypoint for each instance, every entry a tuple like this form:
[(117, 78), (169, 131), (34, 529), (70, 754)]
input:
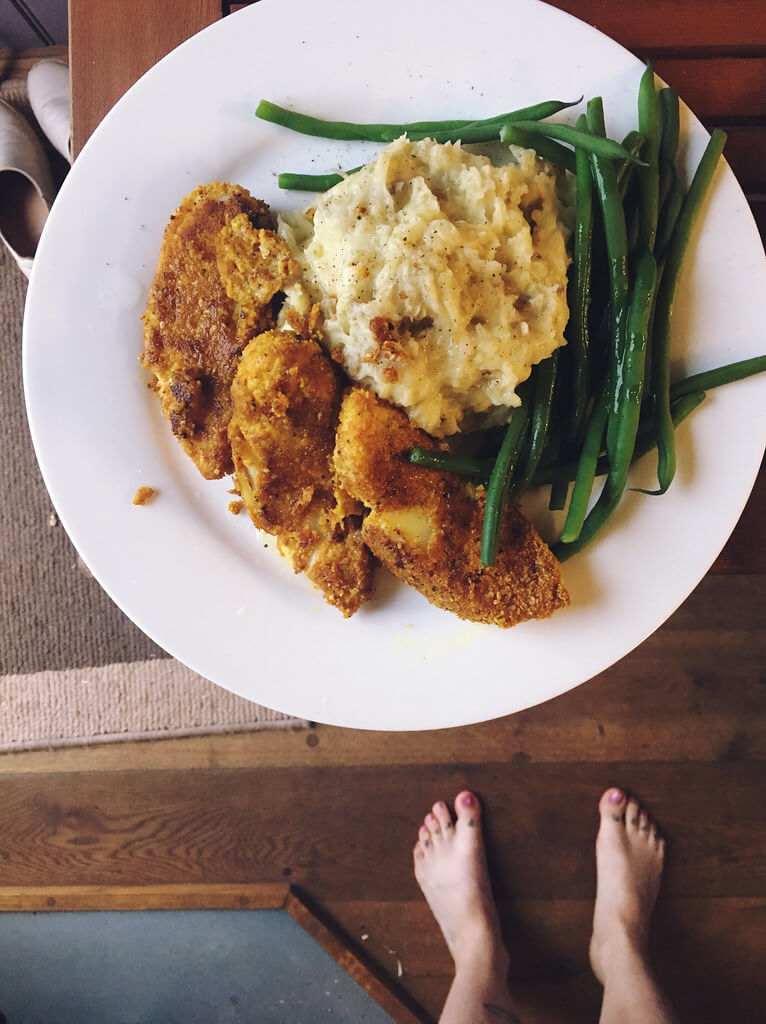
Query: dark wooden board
[(348, 832), (718, 88), (667, 27), (746, 152)]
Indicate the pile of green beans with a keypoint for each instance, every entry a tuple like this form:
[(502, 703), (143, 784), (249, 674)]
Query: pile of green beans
[(606, 399), (632, 215)]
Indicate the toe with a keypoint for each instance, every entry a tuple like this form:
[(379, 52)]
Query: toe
[(644, 824), (612, 806), (425, 838), (632, 812), (467, 810), (442, 815), (417, 852), (433, 826)]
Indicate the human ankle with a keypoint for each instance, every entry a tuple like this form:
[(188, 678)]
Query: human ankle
[(623, 950), (481, 952)]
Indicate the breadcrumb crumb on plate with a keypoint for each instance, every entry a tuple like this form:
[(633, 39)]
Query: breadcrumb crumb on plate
[(143, 495)]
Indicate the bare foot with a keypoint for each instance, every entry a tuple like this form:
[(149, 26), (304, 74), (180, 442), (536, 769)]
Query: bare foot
[(451, 869), (629, 856)]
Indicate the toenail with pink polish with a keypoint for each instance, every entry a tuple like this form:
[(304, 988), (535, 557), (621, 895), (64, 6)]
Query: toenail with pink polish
[(615, 796), (467, 800)]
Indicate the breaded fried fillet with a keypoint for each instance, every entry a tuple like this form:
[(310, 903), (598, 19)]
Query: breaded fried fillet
[(285, 401), (426, 526), (218, 270)]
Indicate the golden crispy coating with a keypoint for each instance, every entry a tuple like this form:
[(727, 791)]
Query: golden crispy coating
[(426, 526), (254, 264), (285, 401), (202, 310), (143, 495)]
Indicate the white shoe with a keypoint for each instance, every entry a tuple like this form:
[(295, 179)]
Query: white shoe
[(26, 187), (49, 96)]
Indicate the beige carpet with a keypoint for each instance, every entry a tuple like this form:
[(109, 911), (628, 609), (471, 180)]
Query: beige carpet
[(73, 669)]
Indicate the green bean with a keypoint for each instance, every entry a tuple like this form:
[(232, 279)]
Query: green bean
[(613, 215), (595, 520), (500, 482), (544, 381), (649, 175), (715, 378), (451, 131), (633, 223), (560, 417), (686, 395), (669, 108), (441, 131), (631, 381), (586, 471), (677, 247), (668, 101), (599, 145), (578, 335), (645, 443), (559, 494), (312, 182), (606, 504), (670, 210), (548, 149), (447, 462), (632, 370), (632, 142), (671, 193)]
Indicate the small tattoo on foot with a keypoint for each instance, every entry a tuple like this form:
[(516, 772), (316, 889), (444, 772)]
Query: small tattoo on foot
[(616, 817), (471, 823), (426, 842), (500, 1013)]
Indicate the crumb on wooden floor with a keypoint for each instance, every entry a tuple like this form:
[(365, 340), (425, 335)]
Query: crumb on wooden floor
[(235, 507), (143, 495)]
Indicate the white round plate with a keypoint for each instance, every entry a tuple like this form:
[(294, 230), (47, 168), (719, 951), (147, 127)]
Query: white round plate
[(201, 582)]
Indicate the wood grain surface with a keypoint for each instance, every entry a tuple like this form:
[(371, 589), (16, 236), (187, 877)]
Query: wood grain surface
[(681, 721), (143, 897), (113, 42)]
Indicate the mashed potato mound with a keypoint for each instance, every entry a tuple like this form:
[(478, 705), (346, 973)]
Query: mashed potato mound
[(441, 277)]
